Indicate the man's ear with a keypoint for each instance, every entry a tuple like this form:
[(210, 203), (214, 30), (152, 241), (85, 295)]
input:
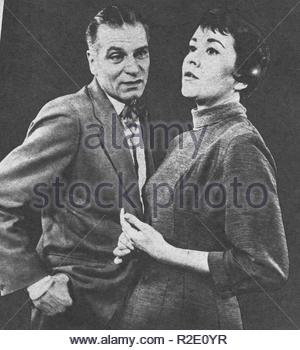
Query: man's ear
[(90, 57)]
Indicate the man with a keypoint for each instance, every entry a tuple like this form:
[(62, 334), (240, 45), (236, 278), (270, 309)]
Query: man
[(79, 164)]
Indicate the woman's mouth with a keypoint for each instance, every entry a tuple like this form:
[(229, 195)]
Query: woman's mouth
[(190, 75)]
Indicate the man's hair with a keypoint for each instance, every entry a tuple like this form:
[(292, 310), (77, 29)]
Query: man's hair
[(253, 55), (115, 17)]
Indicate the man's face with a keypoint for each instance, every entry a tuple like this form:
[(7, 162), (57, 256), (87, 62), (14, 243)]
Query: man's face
[(120, 60), (208, 67)]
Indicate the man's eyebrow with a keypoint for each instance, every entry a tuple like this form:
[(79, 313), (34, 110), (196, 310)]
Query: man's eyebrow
[(142, 48), (114, 48), (211, 40)]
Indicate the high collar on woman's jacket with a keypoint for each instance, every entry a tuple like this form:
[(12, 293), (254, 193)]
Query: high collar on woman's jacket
[(216, 113)]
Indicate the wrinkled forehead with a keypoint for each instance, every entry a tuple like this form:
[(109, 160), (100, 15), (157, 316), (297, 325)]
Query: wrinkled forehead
[(201, 35), (126, 37)]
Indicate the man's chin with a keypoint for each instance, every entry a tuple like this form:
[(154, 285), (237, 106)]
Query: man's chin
[(132, 95)]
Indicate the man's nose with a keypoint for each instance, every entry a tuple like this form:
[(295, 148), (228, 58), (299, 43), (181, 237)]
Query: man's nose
[(131, 66)]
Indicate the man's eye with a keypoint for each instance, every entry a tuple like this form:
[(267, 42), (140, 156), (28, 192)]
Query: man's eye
[(116, 58), (142, 54), (192, 48), (212, 51)]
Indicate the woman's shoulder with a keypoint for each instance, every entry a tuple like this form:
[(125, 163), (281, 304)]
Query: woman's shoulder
[(242, 140), (247, 145), (242, 132)]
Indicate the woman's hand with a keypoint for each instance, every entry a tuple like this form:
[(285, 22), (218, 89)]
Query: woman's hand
[(125, 246), (143, 236)]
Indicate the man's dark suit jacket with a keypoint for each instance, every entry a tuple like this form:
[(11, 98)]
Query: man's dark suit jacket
[(75, 140)]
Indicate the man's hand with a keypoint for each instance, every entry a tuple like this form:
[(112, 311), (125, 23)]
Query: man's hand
[(56, 299)]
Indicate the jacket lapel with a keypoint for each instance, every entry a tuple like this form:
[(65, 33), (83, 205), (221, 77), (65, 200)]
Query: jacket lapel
[(114, 143)]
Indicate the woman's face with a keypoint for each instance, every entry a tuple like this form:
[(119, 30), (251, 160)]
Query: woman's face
[(207, 70)]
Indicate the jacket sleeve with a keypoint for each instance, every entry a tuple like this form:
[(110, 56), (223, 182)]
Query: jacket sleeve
[(49, 146), (256, 258)]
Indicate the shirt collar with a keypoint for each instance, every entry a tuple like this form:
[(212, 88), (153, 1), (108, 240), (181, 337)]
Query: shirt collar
[(217, 113), (118, 106)]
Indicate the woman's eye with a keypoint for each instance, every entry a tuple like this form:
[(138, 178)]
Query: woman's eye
[(212, 51), (192, 48)]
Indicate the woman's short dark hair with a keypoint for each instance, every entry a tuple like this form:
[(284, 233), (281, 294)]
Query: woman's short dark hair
[(114, 16), (253, 55)]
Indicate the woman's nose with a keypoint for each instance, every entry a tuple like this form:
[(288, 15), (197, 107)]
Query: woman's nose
[(194, 59)]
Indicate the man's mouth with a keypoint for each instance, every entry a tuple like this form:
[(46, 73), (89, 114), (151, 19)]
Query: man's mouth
[(133, 82), (190, 75)]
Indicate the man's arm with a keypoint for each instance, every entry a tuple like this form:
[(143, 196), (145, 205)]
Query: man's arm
[(49, 146)]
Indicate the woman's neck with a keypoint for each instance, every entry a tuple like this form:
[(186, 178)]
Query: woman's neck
[(230, 99)]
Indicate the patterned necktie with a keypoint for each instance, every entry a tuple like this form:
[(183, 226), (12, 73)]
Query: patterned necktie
[(129, 117)]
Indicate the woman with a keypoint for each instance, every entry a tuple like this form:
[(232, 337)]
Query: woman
[(221, 233)]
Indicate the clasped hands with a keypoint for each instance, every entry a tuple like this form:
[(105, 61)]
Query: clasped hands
[(137, 234)]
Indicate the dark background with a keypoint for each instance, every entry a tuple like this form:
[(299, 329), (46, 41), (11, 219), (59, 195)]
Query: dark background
[(35, 30)]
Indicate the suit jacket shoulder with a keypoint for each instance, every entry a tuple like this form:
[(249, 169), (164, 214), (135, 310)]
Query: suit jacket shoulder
[(71, 105)]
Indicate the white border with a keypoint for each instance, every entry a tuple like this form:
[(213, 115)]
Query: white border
[(1, 14), (236, 340)]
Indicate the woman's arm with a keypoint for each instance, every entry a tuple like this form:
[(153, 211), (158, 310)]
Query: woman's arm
[(190, 259), (257, 258)]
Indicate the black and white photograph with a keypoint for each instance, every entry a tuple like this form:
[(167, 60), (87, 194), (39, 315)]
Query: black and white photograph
[(149, 165)]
